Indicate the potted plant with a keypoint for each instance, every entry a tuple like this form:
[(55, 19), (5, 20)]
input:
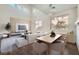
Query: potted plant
[(52, 34), (8, 26)]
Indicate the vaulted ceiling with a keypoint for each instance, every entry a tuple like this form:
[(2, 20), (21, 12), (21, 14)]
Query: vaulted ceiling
[(54, 8)]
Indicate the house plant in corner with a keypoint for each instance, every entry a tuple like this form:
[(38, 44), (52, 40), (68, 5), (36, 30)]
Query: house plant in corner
[(8, 27)]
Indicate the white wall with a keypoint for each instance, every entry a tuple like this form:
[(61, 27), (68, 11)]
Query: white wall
[(72, 18), (39, 15), (7, 11)]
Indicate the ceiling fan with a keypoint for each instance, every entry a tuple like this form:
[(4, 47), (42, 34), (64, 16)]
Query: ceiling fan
[(52, 6)]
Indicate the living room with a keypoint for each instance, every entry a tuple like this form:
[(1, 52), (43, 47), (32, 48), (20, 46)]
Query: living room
[(22, 25)]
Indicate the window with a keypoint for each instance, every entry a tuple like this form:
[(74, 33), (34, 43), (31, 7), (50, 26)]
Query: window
[(54, 22), (60, 21), (38, 24), (66, 19), (21, 27)]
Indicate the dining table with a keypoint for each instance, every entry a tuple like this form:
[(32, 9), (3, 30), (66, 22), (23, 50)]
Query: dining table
[(48, 41)]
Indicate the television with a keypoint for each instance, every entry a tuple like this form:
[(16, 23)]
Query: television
[(21, 27)]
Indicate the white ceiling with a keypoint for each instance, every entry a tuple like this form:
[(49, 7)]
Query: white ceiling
[(58, 7)]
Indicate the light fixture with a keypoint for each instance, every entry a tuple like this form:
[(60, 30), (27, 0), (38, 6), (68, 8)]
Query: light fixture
[(52, 6)]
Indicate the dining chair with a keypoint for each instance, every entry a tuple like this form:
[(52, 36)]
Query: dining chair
[(59, 45)]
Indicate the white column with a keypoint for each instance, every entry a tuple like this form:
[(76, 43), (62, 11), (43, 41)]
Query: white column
[(77, 28)]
